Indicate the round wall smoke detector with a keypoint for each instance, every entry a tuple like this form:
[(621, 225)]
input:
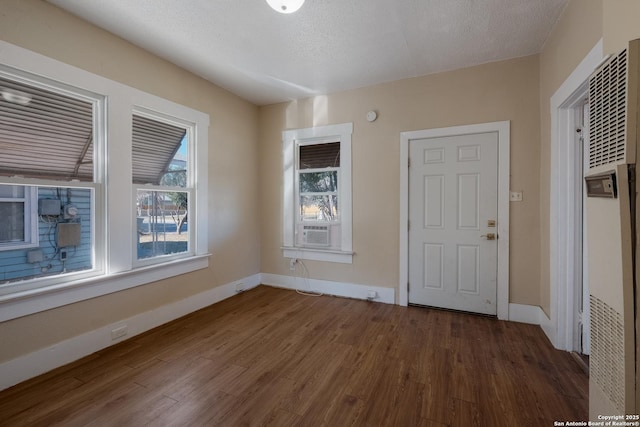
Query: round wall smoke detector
[(372, 116)]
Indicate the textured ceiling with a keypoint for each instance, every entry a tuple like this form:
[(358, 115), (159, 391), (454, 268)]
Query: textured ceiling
[(328, 45)]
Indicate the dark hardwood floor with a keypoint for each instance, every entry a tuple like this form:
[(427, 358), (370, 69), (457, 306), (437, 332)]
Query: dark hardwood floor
[(273, 357)]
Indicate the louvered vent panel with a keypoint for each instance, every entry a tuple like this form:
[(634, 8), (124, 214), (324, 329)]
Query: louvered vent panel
[(606, 362), (608, 112)]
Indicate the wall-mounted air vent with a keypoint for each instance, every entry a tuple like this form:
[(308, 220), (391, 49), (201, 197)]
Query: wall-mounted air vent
[(316, 235), (608, 112), (606, 362)]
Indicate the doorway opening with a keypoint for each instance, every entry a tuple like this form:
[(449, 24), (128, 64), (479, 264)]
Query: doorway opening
[(573, 140), (568, 322)]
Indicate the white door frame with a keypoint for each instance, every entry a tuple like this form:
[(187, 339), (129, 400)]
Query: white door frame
[(562, 254), (503, 130)]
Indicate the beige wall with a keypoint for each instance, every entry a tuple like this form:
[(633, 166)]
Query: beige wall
[(577, 31), (621, 23), (493, 92), (233, 205)]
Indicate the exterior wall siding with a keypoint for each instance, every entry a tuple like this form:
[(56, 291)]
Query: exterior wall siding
[(13, 263)]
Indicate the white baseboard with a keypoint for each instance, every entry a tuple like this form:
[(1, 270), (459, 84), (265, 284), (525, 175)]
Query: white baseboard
[(349, 290), (525, 313), (549, 329), (33, 364)]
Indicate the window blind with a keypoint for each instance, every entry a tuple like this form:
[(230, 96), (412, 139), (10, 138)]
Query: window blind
[(318, 156)]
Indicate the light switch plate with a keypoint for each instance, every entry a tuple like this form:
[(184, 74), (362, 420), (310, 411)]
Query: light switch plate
[(515, 196)]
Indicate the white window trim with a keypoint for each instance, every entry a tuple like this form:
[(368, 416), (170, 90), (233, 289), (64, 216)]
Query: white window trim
[(320, 134), (31, 234), (62, 86), (119, 272)]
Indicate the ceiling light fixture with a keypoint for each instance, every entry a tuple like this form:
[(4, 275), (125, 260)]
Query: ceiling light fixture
[(285, 6)]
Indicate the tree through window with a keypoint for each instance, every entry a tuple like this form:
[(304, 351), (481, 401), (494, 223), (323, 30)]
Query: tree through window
[(160, 174)]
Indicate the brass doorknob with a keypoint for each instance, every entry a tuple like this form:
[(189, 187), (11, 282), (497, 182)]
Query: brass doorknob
[(489, 236)]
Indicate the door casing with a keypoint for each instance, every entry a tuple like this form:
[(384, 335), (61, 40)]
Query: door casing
[(558, 325), (503, 130)]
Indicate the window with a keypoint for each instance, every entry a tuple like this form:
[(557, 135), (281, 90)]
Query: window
[(318, 216), (48, 182), (18, 229), (78, 173), (162, 184), (317, 193)]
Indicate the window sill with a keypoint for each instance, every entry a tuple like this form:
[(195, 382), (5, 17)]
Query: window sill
[(17, 246), (23, 303), (318, 254)]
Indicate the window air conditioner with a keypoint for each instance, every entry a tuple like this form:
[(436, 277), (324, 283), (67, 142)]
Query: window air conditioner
[(315, 235)]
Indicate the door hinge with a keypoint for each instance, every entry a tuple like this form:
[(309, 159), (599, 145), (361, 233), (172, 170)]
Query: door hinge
[(409, 162), (408, 225)]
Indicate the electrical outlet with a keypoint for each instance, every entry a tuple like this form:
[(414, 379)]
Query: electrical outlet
[(292, 264), (515, 196), (119, 332)]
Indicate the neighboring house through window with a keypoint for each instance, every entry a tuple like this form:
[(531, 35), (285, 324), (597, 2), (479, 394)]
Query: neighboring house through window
[(18, 227), (317, 193)]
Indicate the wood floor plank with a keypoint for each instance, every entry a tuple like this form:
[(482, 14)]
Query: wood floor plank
[(198, 411), (346, 410), (397, 397), (256, 405), (466, 414), (280, 418), (136, 410), (94, 406), (65, 399), (311, 377), (202, 404), (273, 357), (25, 404), (334, 405)]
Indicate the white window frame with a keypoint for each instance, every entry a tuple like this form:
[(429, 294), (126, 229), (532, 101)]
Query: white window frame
[(30, 201), (114, 267), (189, 189), (46, 81), (292, 139)]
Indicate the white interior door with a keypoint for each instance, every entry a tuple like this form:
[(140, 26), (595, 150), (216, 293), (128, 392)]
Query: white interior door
[(453, 200)]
